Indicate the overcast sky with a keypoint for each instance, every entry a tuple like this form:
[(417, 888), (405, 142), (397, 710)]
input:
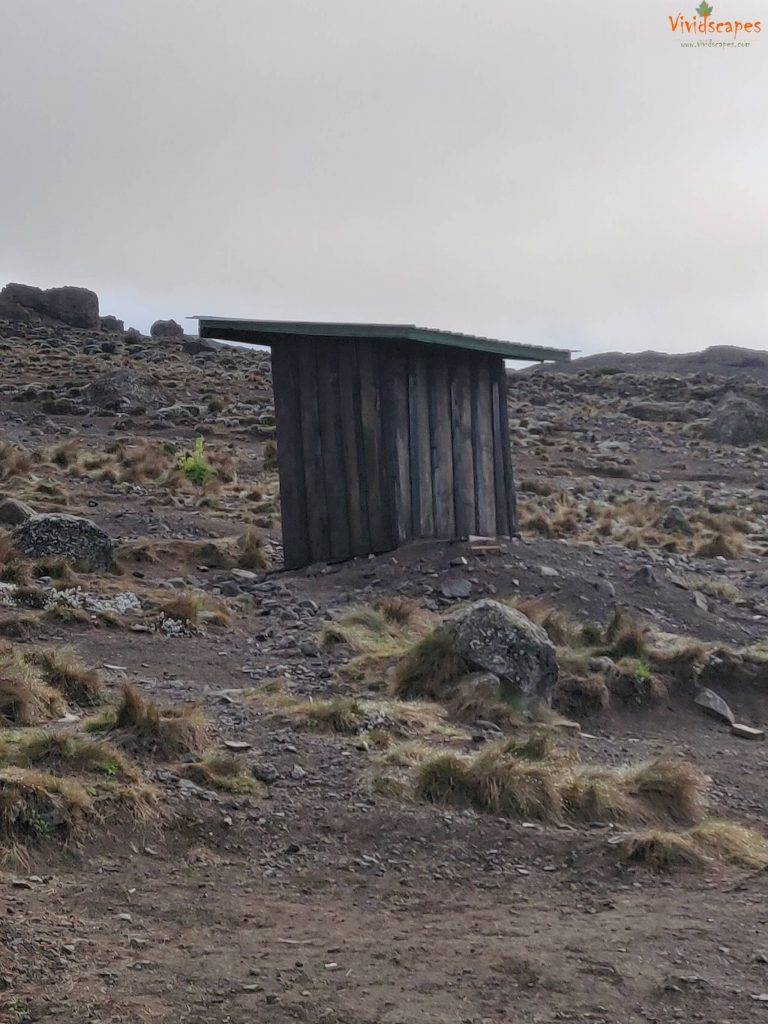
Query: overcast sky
[(548, 171)]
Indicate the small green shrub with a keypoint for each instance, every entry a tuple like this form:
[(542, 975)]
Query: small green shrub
[(194, 465)]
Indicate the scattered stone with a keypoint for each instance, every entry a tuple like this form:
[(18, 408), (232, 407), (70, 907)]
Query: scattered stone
[(237, 745), (675, 519), (456, 589), (266, 773), (77, 539), (714, 704), (549, 571), (646, 576), (747, 732)]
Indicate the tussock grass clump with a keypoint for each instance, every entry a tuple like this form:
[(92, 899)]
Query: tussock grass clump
[(471, 701), (625, 637), (339, 714), (165, 732), (182, 608), (712, 840), (673, 789), (62, 668), (713, 586), (14, 460), (721, 546), (222, 772), (633, 682), (559, 627), (581, 695), (25, 699), (660, 850), (534, 778), (396, 609), (732, 842), (251, 553), (429, 668), (36, 806), (62, 752)]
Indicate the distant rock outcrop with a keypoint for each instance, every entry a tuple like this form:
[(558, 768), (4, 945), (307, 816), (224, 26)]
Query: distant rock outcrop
[(76, 307), (737, 421), (166, 329), (720, 360)]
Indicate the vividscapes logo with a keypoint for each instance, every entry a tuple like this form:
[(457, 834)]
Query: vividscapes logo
[(716, 33)]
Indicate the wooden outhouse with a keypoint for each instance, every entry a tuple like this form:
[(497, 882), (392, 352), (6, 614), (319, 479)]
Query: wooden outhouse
[(386, 433)]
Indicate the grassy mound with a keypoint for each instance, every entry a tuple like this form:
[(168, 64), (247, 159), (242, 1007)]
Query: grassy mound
[(141, 725)]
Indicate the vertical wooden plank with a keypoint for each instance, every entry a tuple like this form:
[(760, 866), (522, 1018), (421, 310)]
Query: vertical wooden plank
[(441, 446), (499, 471), (422, 515), (509, 473), (334, 473), (290, 455), (463, 462), (380, 511), (352, 448), (317, 502), (482, 443), (397, 438)]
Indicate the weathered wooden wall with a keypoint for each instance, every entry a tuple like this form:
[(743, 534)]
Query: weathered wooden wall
[(379, 444)]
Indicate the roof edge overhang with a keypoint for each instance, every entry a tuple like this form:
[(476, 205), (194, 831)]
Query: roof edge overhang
[(271, 332)]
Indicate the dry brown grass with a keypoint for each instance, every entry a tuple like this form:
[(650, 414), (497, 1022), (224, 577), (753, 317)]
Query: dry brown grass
[(25, 699), (581, 695), (429, 669), (62, 668), (223, 772), (14, 460), (401, 611), (710, 841), (36, 806), (721, 546), (183, 608), (64, 752), (533, 778), (164, 732), (251, 553)]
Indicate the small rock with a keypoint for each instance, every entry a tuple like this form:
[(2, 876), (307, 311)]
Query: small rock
[(747, 732), (297, 772), (456, 589), (714, 704), (549, 571), (646, 577)]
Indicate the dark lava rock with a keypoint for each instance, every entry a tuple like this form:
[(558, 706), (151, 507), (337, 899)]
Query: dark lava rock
[(77, 307), (166, 329), (77, 539)]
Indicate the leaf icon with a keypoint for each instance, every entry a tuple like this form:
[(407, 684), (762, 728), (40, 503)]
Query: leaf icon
[(704, 9)]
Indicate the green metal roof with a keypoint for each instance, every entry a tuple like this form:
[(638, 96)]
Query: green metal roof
[(269, 332)]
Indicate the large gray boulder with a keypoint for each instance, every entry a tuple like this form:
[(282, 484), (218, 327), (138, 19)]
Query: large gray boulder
[(124, 389), (737, 421), (166, 329), (77, 539), (77, 307), (493, 637), (14, 512)]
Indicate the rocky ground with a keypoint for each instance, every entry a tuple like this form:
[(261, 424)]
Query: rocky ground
[(272, 851)]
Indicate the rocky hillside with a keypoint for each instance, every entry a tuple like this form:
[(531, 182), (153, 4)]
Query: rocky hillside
[(423, 786), (719, 360)]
